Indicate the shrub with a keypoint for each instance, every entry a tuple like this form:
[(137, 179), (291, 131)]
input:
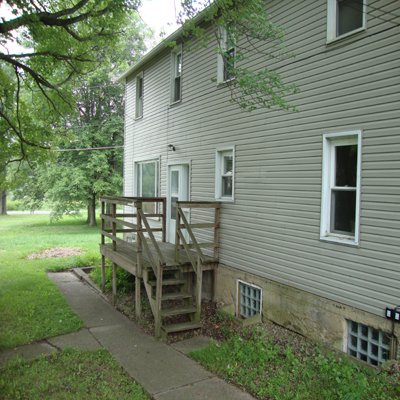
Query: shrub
[(125, 280)]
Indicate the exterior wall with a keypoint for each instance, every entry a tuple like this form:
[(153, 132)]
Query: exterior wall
[(272, 230)]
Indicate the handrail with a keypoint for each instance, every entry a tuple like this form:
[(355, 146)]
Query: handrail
[(182, 223)]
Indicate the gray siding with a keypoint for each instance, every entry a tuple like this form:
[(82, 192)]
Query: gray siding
[(272, 229)]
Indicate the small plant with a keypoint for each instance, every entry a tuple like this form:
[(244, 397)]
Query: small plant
[(84, 260), (125, 280)]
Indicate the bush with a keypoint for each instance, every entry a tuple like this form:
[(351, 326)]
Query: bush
[(125, 280), (14, 205)]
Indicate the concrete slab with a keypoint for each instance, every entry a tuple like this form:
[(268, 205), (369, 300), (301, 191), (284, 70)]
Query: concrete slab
[(27, 352), (62, 277), (91, 307), (153, 364), (192, 344), (82, 340), (215, 389)]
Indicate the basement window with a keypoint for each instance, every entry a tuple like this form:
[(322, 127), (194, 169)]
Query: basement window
[(249, 299), (368, 344)]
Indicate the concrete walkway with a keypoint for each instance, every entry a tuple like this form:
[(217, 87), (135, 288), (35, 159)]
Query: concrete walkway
[(164, 371)]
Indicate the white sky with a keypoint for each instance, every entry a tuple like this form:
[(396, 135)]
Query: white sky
[(160, 14)]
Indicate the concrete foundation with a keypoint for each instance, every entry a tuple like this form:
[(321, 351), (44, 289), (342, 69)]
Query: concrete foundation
[(313, 316)]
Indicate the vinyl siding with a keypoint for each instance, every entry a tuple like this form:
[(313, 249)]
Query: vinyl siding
[(273, 227)]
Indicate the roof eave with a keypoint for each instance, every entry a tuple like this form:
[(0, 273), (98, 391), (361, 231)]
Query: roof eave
[(156, 50)]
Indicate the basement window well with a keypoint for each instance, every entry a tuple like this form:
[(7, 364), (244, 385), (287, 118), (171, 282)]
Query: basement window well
[(249, 299), (367, 343)]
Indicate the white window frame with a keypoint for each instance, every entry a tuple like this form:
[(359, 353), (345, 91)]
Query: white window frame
[(139, 101), (330, 141), (138, 192), (219, 154), (174, 62), (332, 16), (223, 34)]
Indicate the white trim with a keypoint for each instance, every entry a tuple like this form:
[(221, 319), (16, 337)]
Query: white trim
[(238, 281), (139, 108), (330, 141), (168, 196), (331, 25), (136, 163), (218, 177), (223, 38), (174, 55)]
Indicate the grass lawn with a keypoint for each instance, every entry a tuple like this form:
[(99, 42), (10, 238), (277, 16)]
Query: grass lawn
[(71, 374), (31, 306), (274, 371)]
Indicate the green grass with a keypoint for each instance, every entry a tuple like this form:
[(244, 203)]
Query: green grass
[(70, 374), (254, 362), (32, 307)]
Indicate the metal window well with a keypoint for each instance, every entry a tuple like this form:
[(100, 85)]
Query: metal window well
[(250, 300), (368, 344)]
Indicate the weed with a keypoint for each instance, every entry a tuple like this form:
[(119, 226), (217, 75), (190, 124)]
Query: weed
[(253, 361)]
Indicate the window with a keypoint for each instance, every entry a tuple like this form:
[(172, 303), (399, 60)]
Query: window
[(176, 75), (249, 300), (147, 182), (341, 187), (139, 96), (224, 174), (345, 17), (368, 344), (226, 61)]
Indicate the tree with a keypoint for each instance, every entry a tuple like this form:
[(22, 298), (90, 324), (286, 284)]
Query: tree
[(70, 37), (243, 31)]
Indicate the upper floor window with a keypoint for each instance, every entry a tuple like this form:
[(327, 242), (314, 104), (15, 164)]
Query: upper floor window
[(224, 174), (139, 96), (345, 17), (176, 75), (226, 60), (340, 205)]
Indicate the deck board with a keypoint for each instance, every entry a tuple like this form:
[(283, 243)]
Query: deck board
[(126, 256)]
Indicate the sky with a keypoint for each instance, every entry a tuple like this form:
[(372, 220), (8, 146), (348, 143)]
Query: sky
[(159, 13)]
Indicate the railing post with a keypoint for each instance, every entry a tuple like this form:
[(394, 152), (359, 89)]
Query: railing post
[(164, 220), (177, 228), (216, 232), (114, 226), (138, 275)]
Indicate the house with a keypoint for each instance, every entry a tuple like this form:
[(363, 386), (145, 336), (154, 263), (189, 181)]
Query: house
[(309, 230)]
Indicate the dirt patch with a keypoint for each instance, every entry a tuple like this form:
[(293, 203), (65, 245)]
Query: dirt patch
[(57, 252)]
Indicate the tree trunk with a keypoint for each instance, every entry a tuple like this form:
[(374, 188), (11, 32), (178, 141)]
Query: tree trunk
[(92, 211), (3, 202)]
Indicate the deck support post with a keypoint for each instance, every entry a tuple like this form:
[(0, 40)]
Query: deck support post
[(199, 288), (103, 274), (138, 205), (114, 283), (157, 315)]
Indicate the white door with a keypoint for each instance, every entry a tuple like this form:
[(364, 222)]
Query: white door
[(177, 190)]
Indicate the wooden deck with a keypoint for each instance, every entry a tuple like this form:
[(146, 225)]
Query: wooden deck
[(126, 257), (156, 263)]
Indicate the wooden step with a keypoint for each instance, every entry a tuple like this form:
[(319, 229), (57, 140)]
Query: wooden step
[(183, 326), (174, 296), (167, 282), (178, 311)]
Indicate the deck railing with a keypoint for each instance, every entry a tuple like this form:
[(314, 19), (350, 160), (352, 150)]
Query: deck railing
[(193, 249), (142, 225)]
